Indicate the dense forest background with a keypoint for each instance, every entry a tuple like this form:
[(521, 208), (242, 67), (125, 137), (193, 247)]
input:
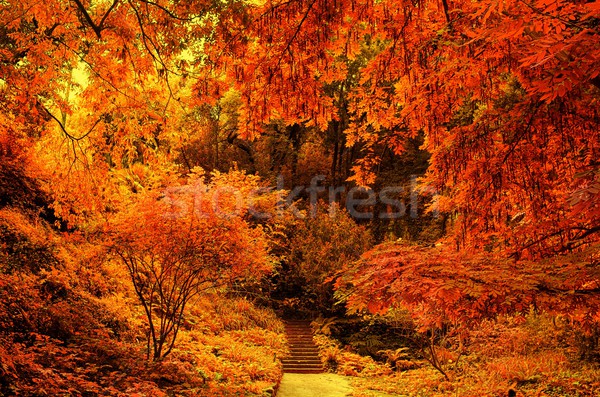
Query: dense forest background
[(422, 177)]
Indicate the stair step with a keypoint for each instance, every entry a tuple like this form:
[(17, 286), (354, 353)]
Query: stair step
[(293, 367), (301, 370), (294, 360), (304, 355), (298, 322), (316, 362)]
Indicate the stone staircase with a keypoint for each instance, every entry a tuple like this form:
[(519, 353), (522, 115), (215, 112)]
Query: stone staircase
[(304, 357)]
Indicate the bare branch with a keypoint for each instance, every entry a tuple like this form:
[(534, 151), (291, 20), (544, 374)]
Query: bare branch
[(168, 12), (113, 5), (96, 28), (296, 32), (63, 128)]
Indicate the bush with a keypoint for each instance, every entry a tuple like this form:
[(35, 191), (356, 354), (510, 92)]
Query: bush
[(312, 251)]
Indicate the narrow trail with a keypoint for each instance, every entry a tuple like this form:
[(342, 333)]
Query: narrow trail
[(314, 385), (303, 372)]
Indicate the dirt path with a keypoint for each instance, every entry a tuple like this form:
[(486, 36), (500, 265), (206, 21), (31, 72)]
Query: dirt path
[(314, 385)]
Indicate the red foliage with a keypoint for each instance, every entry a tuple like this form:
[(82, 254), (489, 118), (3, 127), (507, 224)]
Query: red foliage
[(440, 286)]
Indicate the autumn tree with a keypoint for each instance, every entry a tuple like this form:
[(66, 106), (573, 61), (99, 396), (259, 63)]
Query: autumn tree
[(488, 83), (504, 94), (448, 293), (91, 88), (503, 91), (182, 241), (313, 248)]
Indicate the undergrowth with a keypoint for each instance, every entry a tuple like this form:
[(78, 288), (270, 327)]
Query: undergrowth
[(70, 325), (536, 355)]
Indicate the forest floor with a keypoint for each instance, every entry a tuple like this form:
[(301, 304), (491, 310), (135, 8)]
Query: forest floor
[(314, 385)]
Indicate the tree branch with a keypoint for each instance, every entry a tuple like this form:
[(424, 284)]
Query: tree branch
[(298, 28), (96, 28), (569, 245), (446, 12), (167, 11), (596, 82), (88, 18), (113, 5), (548, 15), (63, 128)]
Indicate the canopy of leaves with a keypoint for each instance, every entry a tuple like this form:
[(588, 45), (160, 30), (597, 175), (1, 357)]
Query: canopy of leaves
[(440, 286)]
